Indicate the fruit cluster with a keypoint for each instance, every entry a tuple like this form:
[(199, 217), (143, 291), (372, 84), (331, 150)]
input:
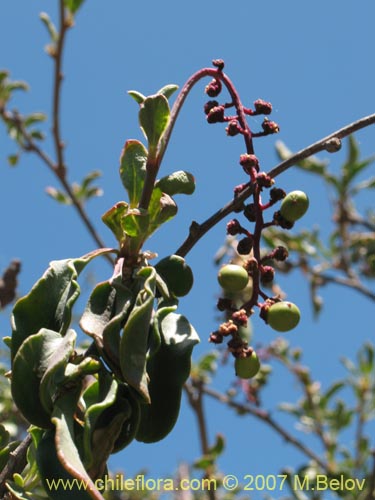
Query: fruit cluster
[(256, 270)]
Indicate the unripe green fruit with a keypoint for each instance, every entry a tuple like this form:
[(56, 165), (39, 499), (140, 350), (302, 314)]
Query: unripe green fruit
[(176, 273), (245, 332), (247, 367), (233, 278), (294, 205), (283, 316)]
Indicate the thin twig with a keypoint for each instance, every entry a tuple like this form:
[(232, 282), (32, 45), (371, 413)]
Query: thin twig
[(56, 99), (197, 231), (195, 398), (354, 284), (32, 146), (15, 464), (265, 417)]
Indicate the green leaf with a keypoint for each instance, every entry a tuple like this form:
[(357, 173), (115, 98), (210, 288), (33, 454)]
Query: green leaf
[(179, 182), (28, 368), (105, 389), (109, 422), (49, 303), (137, 96), (112, 219), (99, 310), (51, 28), (54, 365), (353, 166), (58, 196), (85, 190), (111, 332), (168, 90), (73, 5), (134, 340), (366, 184), (213, 453), (6, 447), (162, 208), (34, 118), (135, 223), (59, 458), (168, 370), (13, 159), (336, 387), (154, 117), (133, 161), (4, 74)]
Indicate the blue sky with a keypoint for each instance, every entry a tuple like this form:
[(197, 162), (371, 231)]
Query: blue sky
[(310, 59)]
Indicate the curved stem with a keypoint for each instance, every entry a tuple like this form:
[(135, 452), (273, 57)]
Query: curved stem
[(214, 73)]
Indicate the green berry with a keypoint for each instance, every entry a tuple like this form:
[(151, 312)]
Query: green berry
[(176, 273), (245, 332), (294, 205), (233, 278), (247, 367), (283, 316)]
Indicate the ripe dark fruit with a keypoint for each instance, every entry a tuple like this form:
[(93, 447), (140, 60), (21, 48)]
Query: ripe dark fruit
[(233, 278), (176, 273), (247, 367), (294, 205), (283, 316)]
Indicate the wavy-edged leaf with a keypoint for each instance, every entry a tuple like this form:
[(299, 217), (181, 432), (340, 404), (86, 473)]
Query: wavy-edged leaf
[(112, 219), (52, 473), (50, 301), (54, 367), (179, 182), (67, 437), (38, 353), (100, 396), (168, 370), (111, 332), (162, 208), (133, 161), (110, 422), (99, 310), (154, 117), (134, 340)]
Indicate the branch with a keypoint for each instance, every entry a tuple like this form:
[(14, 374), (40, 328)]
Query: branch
[(265, 417), (16, 463), (197, 231), (371, 489)]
